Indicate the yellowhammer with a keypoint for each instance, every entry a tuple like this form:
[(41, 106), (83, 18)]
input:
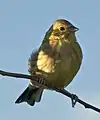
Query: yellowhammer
[(58, 60)]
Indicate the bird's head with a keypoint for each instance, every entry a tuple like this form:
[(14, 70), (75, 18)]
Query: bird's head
[(61, 30), (62, 27)]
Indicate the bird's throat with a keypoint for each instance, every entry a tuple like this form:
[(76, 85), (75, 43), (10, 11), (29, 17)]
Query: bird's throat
[(53, 43)]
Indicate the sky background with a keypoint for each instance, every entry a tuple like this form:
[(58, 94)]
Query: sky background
[(22, 27)]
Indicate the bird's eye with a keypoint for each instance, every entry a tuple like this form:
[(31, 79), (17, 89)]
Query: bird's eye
[(62, 28)]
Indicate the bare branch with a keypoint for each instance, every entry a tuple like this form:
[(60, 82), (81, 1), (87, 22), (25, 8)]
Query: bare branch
[(41, 82)]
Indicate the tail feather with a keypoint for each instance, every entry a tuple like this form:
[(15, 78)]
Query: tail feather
[(30, 95), (39, 95)]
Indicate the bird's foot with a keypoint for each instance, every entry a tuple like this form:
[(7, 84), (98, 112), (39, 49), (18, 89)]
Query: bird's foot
[(74, 99)]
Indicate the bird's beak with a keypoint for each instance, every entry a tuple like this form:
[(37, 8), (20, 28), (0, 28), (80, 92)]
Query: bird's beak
[(73, 29)]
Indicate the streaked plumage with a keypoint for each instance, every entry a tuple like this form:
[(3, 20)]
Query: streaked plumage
[(58, 60)]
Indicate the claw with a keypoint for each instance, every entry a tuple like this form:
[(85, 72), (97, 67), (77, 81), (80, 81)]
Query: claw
[(74, 99)]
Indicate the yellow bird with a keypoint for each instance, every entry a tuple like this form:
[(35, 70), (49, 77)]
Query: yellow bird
[(58, 60)]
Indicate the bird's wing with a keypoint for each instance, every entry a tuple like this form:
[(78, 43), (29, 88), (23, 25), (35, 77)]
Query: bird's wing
[(32, 63)]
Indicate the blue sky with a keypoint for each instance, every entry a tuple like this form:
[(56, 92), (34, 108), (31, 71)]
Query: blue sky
[(22, 27)]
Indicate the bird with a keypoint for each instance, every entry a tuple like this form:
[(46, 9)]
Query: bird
[(58, 60)]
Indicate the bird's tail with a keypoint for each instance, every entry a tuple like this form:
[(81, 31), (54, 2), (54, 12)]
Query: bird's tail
[(30, 95)]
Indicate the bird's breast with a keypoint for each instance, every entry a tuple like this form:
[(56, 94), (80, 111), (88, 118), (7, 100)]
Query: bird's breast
[(59, 68), (45, 62)]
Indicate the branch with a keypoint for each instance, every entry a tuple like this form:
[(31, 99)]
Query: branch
[(39, 80)]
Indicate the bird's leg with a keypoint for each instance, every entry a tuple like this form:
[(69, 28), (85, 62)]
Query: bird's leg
[(40, 80), (74, 99)]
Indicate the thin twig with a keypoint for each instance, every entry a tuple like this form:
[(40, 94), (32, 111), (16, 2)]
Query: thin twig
[(36, 80)]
